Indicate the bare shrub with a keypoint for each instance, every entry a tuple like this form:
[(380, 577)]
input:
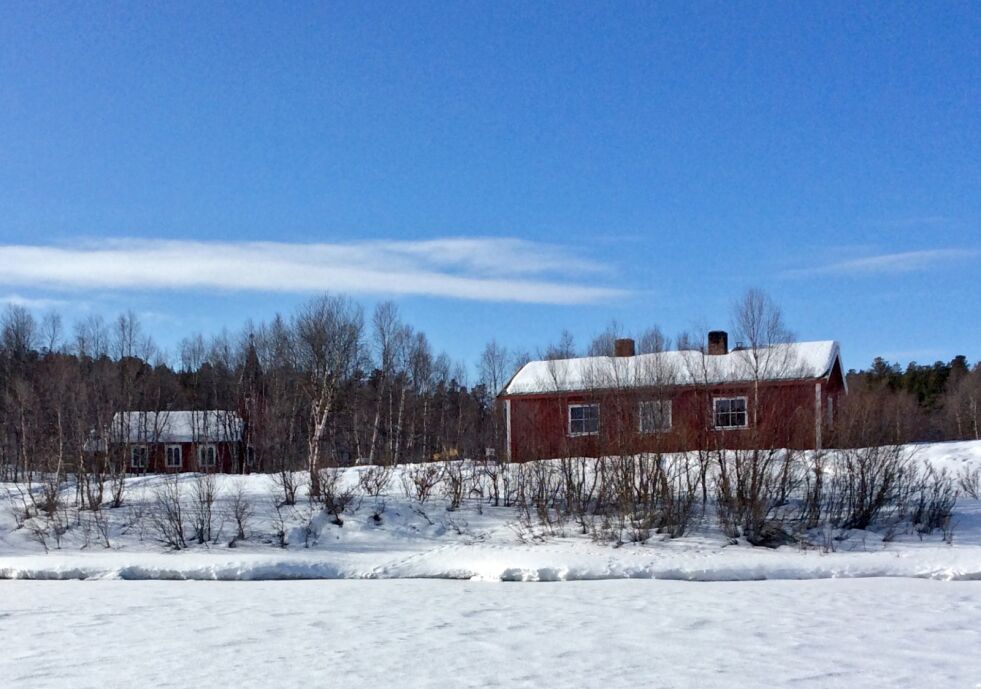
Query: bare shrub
[(677, 483), (48, 511), (969, 481), (333, 495), (812, 503), (240, 511), (751, 488), (38, 528), (137, 519), (18, 505), (167, 514), (635, 496), (497, 476), (204, 491), (614, 499), (579, 480), (288, 483), (103, 525), (458, 481), (117, 487), (866, 482), (420, 480), (934, 499), (374, 480), (92, 486), (48, 498), (538, 489), (617, 503), (279, 523)]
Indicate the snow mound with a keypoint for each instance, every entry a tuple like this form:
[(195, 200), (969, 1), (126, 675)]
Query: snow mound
[(394, 536)]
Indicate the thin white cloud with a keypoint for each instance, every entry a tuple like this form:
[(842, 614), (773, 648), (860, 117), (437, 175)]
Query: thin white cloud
[(921, 355), (32, 302), (484, 269), (902, 262)]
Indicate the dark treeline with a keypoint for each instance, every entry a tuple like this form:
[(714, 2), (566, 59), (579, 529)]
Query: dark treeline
[(338, 387), (334, 386), (327, 387), (941, 401)]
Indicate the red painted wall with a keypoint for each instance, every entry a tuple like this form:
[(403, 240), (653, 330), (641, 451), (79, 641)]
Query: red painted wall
[(229, 458), (785, 418)]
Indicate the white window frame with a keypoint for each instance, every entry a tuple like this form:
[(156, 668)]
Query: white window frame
[(180, 456), (132, 457), (715, 412), (665, 428), (202, 450), (577, 434)]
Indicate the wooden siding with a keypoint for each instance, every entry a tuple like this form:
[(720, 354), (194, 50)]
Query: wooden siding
[(229, 458), (786, 416)]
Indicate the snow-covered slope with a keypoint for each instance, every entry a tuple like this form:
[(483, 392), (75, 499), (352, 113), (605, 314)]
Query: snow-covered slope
[(393, 536)]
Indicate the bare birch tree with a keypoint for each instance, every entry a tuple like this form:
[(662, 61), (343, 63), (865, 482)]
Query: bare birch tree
[(328, 333)]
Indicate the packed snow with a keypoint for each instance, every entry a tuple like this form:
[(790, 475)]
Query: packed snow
[(394, 536), (611, 634)]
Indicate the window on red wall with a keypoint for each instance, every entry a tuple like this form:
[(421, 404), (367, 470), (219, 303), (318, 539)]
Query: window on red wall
[(583, 419), (655, 416), (206, 456), (730, 412), (138, 457), (174, 457)]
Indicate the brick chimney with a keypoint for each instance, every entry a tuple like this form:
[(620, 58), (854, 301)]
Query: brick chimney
[(623, 347), (718, 342)]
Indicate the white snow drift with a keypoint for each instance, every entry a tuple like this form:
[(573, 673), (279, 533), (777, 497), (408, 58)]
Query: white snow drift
[(396, 537)]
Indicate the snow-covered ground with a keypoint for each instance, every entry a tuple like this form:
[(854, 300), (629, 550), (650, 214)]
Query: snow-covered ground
[(610, 634), (478, 541), (867, 612)]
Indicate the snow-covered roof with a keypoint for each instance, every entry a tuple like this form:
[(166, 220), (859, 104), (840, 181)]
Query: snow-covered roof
[(782, 362), (210, 426)]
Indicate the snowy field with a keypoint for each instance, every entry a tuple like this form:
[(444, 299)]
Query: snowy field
[(609, 634), (409, 593), (396, 536)]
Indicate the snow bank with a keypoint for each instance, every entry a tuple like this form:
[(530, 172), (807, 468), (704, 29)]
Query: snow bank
[(570, 561), (478, 541)]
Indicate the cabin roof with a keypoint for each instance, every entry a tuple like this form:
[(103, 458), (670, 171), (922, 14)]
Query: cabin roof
[(207, 426), (781, 362)]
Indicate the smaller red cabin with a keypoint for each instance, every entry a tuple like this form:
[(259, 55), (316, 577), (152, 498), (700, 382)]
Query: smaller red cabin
[(174, 441)]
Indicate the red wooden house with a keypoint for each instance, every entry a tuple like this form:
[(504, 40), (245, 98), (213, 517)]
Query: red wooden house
[(215, 440), (778, 396), (173, 441)]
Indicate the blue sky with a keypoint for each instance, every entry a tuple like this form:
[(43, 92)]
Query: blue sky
[(500, 170)]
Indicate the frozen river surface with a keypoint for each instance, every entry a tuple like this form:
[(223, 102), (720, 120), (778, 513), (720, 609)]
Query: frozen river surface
[(433, 633)]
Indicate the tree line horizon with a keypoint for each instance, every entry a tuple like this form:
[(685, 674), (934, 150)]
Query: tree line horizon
[(355, 388)]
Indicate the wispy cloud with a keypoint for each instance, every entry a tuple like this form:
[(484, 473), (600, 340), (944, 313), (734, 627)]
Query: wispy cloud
[(32, 302), (902, 262), (485, 269), (907, 355)]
